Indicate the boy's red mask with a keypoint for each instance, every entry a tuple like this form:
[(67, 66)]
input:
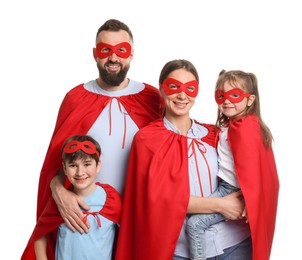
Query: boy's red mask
[(234, 95), (86, 146), (104, 50), (173, 86)]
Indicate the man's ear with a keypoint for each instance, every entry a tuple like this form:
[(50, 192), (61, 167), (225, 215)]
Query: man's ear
[(132, 54), (94, 54)]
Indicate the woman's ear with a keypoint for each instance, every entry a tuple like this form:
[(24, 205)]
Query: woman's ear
[(161, 91)]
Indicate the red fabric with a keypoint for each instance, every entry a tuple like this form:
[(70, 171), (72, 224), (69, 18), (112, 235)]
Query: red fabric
[(157, 190), (79, 110), (151, 198), (51, 219), (257, 176)]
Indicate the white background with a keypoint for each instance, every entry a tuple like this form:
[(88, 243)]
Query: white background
[(46, 49)]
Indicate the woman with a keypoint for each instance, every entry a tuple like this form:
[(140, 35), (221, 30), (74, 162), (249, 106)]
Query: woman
[(172, 169)]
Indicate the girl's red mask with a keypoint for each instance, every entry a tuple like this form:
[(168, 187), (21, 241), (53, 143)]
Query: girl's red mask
[(234, 95)]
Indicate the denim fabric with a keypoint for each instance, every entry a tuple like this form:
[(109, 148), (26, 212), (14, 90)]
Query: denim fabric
[(198, 223), (241, 251)]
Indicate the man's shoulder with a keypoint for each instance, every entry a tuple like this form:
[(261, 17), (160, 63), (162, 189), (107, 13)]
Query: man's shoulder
[(77, 88), (150, 87)]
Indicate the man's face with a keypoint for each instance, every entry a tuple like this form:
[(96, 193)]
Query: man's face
[(113, 54)]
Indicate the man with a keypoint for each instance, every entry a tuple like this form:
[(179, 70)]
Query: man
[(111, 109)]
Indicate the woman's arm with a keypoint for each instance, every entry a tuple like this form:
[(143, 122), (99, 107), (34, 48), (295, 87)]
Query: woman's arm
[(69, 204), (231, 206)]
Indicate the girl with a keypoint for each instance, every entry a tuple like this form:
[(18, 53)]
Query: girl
[(246, 160)]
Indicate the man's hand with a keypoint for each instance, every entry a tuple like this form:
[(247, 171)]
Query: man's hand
[(69, 206)]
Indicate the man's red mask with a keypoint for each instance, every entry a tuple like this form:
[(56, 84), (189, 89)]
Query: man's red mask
[(104, 50)]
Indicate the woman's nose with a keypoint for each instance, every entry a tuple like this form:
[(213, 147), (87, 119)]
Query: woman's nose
[(182, 95)]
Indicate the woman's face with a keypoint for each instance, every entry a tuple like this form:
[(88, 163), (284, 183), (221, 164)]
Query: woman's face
[(178, 104)]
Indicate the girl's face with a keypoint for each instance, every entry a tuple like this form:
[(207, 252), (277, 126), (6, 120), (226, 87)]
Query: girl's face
[(234, 103), (179, 104), (82, 173)]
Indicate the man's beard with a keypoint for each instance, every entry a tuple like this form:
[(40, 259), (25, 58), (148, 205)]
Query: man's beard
[(113, 79)]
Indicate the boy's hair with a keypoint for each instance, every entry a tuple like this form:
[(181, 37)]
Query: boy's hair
[(80, 153)]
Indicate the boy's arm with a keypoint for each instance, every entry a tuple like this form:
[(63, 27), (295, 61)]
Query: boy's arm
[(40, 248)]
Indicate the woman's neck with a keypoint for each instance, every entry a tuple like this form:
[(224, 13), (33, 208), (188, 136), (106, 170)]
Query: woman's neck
[(182, 123)]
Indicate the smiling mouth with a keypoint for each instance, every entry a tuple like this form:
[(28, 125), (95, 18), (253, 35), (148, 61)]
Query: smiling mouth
[(113, 68), (81, 180), (180, 104)]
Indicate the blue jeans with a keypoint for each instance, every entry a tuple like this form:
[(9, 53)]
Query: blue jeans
[(198, 223), (241, 251)]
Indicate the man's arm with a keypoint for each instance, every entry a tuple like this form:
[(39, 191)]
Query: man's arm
[(69, 204)]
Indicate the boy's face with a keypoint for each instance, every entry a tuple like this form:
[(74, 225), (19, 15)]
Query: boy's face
[(82, 174)]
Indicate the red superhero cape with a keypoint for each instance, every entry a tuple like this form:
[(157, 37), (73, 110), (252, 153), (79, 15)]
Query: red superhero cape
[(257, 176), (151, 198), (79, 110), (156, 194), (50, 219)]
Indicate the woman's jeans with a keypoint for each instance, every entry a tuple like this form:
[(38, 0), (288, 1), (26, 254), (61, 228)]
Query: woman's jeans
[(241, 251)]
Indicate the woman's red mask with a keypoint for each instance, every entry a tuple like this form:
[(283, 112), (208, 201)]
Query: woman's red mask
[(104, 50), (234, 95), (172, 86)]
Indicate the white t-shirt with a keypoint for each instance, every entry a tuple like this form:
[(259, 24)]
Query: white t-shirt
[(225, 159)]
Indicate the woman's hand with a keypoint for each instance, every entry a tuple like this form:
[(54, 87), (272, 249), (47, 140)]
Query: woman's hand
[(244, 215), (232, 206)]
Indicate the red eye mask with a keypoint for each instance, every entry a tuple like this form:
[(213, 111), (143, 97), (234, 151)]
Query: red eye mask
[(173, 86), (104, 50), (86, 146), (234, 95)]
